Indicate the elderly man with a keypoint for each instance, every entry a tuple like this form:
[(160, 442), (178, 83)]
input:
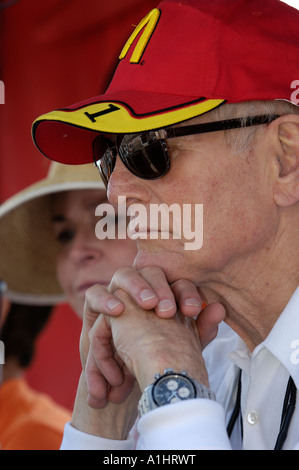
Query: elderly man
[(203, 109)]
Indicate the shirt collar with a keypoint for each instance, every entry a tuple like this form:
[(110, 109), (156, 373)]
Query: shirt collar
[(282, 341)]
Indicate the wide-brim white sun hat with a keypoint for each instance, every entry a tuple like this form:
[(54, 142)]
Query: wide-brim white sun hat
[(27, 244)]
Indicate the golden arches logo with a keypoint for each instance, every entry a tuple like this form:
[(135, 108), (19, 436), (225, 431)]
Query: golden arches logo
[(148, 23)]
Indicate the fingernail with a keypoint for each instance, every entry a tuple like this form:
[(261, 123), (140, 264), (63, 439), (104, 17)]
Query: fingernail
[(147, 294), (192, 303), (165, 305), (113, 304)]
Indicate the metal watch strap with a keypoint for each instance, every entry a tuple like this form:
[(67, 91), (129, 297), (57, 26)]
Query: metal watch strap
[(146, 402)]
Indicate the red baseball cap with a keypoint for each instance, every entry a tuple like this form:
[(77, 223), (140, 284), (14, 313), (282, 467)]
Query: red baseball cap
[(185, 58)]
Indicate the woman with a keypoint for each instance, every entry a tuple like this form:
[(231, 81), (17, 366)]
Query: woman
[(40, 227), (49, 253)]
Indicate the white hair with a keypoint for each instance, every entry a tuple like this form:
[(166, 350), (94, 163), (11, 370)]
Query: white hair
[(242, 139)]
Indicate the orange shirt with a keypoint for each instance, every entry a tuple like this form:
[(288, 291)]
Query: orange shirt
[(29, 420)]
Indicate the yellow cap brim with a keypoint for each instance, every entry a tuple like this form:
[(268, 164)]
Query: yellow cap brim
[(67, 135)]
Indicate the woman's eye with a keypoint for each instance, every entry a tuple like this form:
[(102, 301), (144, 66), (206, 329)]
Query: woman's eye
[(65, 236)]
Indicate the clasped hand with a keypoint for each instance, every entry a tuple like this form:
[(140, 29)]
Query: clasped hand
[(138, 327)]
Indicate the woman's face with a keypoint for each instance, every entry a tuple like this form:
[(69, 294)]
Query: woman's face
[(83, 260)]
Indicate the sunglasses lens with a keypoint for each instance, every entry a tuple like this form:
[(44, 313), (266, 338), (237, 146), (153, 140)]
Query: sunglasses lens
[(104, 157), (144, 155), (107, 164)]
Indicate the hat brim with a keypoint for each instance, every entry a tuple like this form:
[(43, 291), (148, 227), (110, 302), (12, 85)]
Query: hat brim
[(28, 247), (67, 135)]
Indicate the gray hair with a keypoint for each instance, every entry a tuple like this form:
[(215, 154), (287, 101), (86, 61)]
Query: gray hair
[(242, 139)]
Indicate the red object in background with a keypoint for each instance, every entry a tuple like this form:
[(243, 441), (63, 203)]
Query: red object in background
[(56, 367), (54, 53)]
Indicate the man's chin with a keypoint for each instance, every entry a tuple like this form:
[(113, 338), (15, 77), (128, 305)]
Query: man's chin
[(171, 263)]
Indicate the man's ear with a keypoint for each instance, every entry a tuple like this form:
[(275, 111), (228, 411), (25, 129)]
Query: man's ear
[(287, 187)]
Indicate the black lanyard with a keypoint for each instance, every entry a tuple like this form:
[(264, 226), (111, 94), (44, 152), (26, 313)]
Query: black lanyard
[(289, 405)]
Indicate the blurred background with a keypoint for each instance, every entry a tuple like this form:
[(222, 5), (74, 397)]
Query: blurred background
[(54, 53)]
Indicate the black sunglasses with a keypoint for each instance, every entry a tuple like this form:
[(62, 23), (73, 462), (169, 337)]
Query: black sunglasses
[(146, 154)]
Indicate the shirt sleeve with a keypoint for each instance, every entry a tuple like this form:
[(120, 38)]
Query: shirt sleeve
[(73, 439), (190, 425)]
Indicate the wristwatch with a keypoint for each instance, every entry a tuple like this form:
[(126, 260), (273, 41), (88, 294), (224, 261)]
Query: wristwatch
[(171, 387)]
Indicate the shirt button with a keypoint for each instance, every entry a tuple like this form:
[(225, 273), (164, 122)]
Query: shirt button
[(252, 417)]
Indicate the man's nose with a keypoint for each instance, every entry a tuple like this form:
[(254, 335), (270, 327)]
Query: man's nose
[(123, 183)]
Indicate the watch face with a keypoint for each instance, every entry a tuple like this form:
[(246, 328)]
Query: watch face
[(173, 388)]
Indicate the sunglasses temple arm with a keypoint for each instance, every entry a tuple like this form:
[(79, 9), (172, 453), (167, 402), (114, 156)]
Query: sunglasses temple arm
[(218, 126)]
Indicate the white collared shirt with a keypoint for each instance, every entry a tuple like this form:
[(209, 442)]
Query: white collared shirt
[(201, 423)]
